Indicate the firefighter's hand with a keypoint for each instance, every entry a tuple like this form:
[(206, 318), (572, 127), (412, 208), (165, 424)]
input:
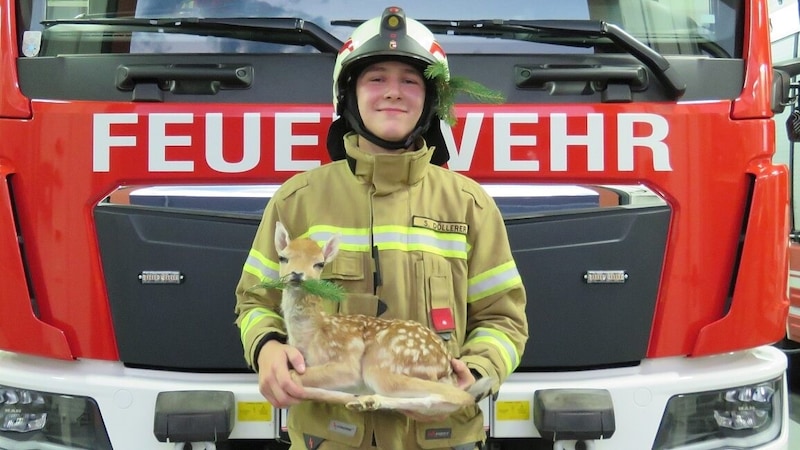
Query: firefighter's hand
[(463, 374), (464, 378), (275, 382)]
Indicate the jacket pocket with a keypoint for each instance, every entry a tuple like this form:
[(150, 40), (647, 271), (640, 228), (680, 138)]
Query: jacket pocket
[(443, 315), (346, 266), (360, 304), (347, 270), (328, 422), (464, 426)]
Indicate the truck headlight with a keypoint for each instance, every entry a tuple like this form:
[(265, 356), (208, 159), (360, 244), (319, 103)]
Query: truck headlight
[(737, 417), (70, 421)]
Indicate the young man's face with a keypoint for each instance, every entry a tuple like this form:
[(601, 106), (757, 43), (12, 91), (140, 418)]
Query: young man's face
[(390, 96)]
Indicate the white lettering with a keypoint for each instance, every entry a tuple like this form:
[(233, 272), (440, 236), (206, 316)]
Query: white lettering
[(251, 152), (635, 132), (159, 141), (503, 141), (102, 141), (627, 142), (461, 158), (560, 139), (285, 140)]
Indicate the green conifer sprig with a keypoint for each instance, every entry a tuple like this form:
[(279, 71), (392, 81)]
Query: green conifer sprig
[(448, 87), (320, 288)]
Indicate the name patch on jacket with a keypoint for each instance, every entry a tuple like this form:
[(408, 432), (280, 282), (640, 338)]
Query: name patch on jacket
[(435, 225)]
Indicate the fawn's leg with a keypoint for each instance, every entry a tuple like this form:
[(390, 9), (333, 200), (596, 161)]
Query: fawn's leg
[(325, 383), (392, 384), (396, 391), (329, 396), (332, 375)]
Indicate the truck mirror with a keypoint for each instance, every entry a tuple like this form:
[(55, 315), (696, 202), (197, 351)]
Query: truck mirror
[(781, 90), (793, 126)]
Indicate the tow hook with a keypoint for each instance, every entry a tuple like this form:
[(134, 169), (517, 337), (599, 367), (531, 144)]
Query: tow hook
[(573, 418), (194, 420)]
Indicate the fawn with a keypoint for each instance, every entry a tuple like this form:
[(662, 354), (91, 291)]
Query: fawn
[(363, 362)]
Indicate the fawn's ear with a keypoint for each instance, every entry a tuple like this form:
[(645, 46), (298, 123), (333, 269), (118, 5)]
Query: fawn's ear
[(331, 248), (281, 237)]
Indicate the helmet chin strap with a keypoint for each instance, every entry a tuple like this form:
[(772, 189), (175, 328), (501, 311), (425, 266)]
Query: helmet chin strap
[(353, 117), (357, 124)]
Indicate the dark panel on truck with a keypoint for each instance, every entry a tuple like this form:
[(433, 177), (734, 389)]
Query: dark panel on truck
[(572, 322), (275, 77), (189, 325)]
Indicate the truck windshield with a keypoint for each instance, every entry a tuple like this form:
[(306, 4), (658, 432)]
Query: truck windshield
[(694, 27)]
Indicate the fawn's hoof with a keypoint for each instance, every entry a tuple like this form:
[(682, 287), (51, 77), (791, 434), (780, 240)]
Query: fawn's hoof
[(364, 403)]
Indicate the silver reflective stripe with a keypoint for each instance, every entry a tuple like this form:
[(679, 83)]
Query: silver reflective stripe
[(493, 281), (499, 340), (351, 242), (259, 266), (392, 237), (422, 242), (253, 317)]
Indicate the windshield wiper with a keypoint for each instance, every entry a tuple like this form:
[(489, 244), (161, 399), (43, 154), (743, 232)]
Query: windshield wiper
[(590, 33), (277, 30)]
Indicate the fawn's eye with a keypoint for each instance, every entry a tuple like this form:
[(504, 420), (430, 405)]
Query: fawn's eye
[(283, 259), (319, 265)]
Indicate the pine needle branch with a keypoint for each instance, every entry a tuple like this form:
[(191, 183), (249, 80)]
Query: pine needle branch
[(321, 288), (448, 87)]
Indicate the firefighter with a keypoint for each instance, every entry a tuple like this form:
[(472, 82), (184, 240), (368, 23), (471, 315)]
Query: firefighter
[(417, 241)]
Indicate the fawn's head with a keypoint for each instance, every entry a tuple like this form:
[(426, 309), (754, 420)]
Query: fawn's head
[(302, 259)]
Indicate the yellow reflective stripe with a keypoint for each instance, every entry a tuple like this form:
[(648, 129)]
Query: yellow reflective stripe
[(394, 237), (350, 239), (449, 245), (398, 229), (258, 265), (498, 340), (493, 281), (253, 317)]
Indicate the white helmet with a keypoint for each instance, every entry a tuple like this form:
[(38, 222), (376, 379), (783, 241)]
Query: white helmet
[(391, 36)]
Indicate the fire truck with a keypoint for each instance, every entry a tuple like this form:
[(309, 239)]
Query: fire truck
[(632, 159)]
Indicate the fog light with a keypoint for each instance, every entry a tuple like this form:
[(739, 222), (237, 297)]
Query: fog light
[(746, 408), (739, 417), (21, 410), (34, 416)]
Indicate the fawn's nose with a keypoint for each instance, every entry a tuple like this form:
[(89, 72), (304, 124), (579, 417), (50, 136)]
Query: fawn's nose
[(296, 277)]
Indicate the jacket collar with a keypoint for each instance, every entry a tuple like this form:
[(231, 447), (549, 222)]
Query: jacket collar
[(387, 172)]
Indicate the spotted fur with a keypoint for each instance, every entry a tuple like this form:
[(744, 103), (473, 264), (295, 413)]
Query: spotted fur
[(363, 362)]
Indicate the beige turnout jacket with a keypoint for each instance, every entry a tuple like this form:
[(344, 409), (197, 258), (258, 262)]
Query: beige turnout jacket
[(442, 252)]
